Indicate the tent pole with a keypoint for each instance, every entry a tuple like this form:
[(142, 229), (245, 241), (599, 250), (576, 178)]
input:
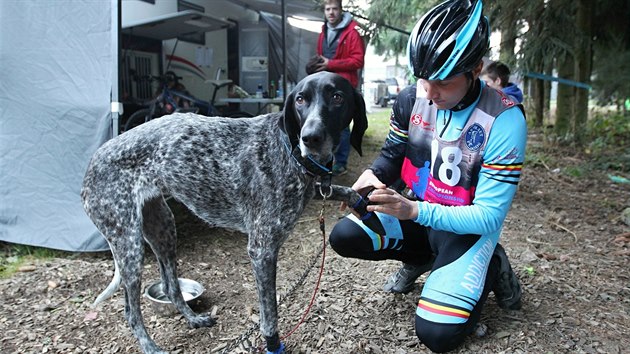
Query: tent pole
[(116, 109), (284, 49)]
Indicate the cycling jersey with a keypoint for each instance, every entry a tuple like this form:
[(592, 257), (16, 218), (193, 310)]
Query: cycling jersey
[(491, 133), (464, 166)]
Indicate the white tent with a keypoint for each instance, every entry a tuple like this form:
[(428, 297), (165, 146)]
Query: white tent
[(59, 77)]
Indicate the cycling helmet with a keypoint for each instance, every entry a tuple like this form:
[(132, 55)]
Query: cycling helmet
[(448, 40)]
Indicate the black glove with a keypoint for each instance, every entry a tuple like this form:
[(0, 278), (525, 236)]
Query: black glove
[(369, 218)]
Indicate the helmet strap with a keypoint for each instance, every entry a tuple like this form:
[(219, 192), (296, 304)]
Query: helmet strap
[(471, 95)]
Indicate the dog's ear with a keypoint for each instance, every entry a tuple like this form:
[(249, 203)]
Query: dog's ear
[(289, 122), (360, 122)]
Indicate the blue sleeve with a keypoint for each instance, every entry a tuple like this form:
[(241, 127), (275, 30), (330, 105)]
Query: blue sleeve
[(498, 180)]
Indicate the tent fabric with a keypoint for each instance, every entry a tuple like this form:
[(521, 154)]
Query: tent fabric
[(57, 61), (301, 46)]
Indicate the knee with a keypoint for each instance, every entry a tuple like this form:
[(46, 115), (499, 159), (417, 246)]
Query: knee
[(344, 238), (440, 337)]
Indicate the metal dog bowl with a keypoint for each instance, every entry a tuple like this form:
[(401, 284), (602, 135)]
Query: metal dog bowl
[(160, 302)]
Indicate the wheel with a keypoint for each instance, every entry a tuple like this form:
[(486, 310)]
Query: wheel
[(383, 102), (137, 118)]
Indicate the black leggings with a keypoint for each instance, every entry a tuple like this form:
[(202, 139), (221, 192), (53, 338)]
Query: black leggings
[(452, 313)]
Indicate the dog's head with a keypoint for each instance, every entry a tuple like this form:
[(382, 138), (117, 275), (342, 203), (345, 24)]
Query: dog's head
[(318, 109)]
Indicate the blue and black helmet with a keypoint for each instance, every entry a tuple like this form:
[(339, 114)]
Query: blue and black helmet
[(448, 40)]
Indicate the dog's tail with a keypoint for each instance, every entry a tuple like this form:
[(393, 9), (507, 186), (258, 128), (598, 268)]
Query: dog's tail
[(111, 288)]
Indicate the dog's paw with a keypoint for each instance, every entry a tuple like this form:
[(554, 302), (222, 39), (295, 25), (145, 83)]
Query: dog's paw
[(201, 321), (152, 348), (280, 350)]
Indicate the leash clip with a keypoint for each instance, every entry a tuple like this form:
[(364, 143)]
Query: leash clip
[(324, 195)]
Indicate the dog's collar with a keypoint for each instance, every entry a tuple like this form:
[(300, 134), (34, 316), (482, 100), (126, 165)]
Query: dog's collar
[(308, 165)]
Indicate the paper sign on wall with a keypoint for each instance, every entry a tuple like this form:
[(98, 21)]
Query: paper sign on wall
[(204, 56), (254, 64)]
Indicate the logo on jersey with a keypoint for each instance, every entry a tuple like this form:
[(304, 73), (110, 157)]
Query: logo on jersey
[(416, 119), (507, 102), (475, 136), (510, 156)]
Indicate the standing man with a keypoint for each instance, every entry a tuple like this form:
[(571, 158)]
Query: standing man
[(459, 148), (497, 76), (340, 49)]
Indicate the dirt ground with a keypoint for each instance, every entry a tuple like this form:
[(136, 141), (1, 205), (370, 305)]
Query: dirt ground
[(565, 237)]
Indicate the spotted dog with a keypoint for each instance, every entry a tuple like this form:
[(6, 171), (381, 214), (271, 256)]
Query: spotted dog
[(255, 175)]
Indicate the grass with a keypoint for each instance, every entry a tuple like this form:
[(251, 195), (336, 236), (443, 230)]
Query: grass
[(535, 157), (378, 124), (14, 256)]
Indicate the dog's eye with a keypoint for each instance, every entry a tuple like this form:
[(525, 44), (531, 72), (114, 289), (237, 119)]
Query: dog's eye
[(299, 100), (337, 99)]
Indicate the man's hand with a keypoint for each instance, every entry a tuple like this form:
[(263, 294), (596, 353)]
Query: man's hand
[(391, 202), (366, 181), (315, 64), (322, 64)]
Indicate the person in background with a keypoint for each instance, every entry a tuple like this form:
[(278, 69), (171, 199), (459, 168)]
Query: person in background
[(340, 49), (172, 82), (458, 148), (497, 76)]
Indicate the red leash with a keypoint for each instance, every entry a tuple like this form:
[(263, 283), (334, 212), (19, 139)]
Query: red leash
[(322, 227)]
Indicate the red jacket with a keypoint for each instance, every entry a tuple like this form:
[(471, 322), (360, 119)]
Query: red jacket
[(349, 58)]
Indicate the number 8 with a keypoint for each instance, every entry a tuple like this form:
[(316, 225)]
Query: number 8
[(448, 153)]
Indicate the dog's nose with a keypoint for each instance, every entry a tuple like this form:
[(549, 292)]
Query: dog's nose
[(312, 139)]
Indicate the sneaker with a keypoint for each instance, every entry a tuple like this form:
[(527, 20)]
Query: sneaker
[(507, 289), (339, 170), (403, 280)]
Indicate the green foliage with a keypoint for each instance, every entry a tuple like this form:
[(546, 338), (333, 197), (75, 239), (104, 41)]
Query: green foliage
[(611, 69), (609, 136), (546, 32), (550, 33), (538, 158), (378, 126), (530, 271), (574, 171), (13, 256), (609, 129), (399, 14)]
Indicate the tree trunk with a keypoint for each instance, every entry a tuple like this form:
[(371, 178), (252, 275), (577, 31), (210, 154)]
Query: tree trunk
[(564, 101), (538, 101), (583, 64), (537, 62)]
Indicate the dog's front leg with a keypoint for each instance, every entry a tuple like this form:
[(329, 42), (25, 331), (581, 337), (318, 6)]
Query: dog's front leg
[(337, 193), (264, 257)]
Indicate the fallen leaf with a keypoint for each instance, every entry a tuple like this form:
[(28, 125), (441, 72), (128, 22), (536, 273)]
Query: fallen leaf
[(547, 256), (27, 268), (90, 316), (502, 334)]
